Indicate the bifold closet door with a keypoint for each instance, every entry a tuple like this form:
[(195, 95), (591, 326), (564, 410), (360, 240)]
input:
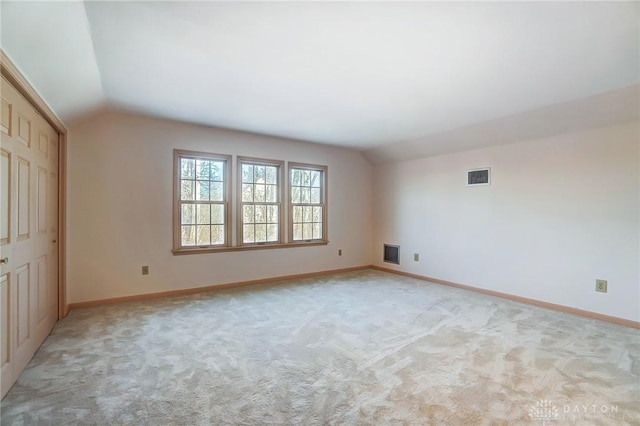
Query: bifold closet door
[(28, 232)]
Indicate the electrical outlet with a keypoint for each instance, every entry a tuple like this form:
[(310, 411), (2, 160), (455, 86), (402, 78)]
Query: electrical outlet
[(145, 270), (601, 286), (416, 257), (339, 252)]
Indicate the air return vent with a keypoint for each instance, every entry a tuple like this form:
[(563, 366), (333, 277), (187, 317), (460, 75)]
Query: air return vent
[(477, 177), (392, 254)]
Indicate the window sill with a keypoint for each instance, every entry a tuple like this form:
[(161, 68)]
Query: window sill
[(199, 250)]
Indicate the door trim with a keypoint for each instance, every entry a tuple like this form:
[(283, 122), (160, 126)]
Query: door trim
[(9, 70)]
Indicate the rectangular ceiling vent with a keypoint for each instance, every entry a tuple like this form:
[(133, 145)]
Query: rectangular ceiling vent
[(478, 177), (392, 254)]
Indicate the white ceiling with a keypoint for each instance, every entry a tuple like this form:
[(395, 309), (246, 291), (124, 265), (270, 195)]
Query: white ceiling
[(359, 74), (50, 43)]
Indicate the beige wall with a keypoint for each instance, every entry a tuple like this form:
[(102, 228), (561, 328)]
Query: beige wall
[(120, 208), (560, 213)]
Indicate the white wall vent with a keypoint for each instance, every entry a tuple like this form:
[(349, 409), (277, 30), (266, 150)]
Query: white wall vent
[(392, 254), (477, 177)]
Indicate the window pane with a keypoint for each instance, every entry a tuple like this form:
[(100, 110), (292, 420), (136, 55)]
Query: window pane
[(306, 177), (272, 175), (261, 233), (307, 231), (217, 234), (203, 235), (295, 177), (217, 171), (305, 195), (272, 214), (203, 169), (217, 191), (248, 234), (307, 213), (315, 195), (188, 236), (259, 174), (297, 232), (272, 233), (247, 173), (259, 193), (248, 214), (315, 179), (317, 231), (261, 214), (247, 193), (295, 194), (202, 190), (317, 214), (187, 190), (297, 214), (217, 214), (204, 214), (188, 215), (272, 194), (187, 167)]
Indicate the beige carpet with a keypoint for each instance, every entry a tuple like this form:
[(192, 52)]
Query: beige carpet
[(363, 348)]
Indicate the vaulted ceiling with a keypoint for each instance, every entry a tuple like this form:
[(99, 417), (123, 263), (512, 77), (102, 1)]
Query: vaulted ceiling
[(367, 75)]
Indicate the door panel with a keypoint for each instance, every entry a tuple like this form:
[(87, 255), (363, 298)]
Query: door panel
[(52, 285), (42, 199), (28, 232), (23, 313), (24, 200), (53, 204), (43, 305), (43, 144), (5, 204), (4, 319), (24, 131), (6, 332), (5, 125)]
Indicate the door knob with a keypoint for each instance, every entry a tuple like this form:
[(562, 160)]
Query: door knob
[(4, 260), (54, 241)]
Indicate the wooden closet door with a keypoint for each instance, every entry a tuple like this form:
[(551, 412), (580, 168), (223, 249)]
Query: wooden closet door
[(28, 232)]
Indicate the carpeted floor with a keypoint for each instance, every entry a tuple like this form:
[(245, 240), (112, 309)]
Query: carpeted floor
[(362, 348)]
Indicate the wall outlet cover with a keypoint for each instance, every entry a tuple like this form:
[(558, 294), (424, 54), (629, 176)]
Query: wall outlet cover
[(601, 286)]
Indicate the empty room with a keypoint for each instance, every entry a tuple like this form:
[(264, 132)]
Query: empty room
[(320, 213)]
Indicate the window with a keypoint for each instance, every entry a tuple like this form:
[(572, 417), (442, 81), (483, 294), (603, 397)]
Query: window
[(260, 201), (258, 215), (308, 203), (201, 206)]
